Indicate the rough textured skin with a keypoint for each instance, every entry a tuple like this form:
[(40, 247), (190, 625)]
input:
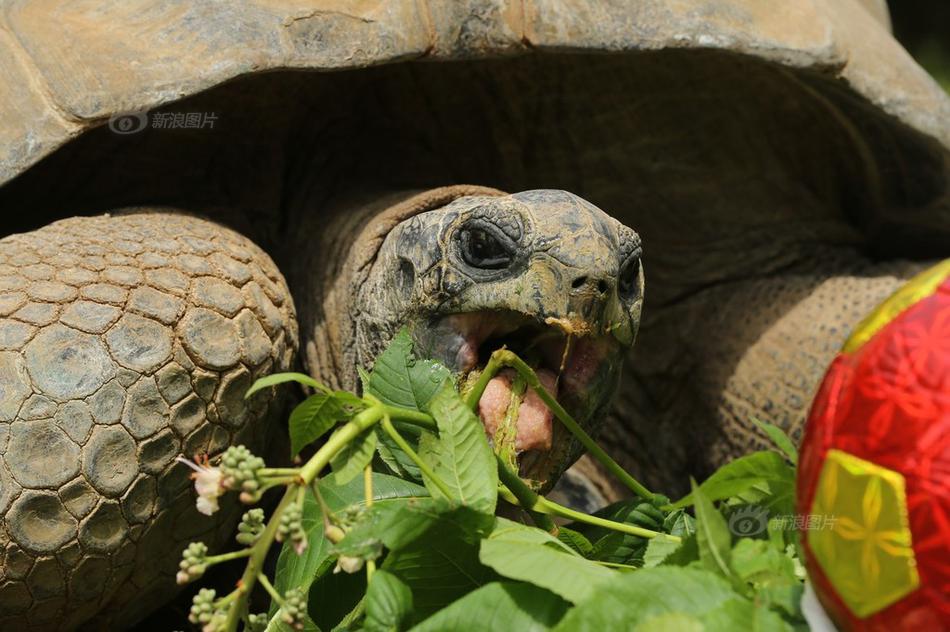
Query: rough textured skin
[(124, 342), (760, 353)]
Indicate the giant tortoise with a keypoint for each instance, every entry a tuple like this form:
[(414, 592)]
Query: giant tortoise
[(168, 164)]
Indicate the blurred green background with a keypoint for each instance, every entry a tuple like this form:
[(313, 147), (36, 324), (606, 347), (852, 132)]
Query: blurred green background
[(923, 27)]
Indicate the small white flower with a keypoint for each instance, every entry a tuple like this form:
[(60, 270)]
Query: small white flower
[(208, 484), (348, 564)]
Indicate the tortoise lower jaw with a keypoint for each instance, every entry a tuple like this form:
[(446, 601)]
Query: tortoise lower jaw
[(587, 369)]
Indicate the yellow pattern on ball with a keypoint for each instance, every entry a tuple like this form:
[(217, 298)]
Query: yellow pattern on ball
[(867, 554)]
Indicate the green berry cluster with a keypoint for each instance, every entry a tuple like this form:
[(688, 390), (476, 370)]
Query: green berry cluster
[(193, 563), (240, 468), (256, 622), (294, 610), (204, 613), (291, 527), (252, 524)]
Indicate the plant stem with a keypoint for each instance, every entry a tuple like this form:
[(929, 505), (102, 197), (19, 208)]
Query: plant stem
[(504, 358), (550, 507), (279, 471), (227, 557), (526, 497), (423, 467), (262, 578), (307, 474), (413, 417), (368, 494), (258, 553)]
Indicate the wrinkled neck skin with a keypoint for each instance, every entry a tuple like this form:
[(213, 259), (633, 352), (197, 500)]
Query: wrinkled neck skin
[(338, 247)]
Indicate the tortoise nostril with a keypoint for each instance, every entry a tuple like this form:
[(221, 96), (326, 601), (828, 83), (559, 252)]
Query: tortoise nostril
[(586, 282)]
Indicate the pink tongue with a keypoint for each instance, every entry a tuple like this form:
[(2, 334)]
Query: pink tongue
[(534, 418)]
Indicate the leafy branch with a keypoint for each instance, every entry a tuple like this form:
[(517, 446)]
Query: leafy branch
[(409, 538)]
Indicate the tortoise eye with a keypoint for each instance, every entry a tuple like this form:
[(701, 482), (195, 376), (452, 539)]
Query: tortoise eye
[(629, 277), (481, 248)]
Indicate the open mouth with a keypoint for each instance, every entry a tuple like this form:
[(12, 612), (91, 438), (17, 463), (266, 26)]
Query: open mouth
[(578, 368)]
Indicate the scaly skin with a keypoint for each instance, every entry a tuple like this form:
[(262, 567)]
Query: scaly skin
[(126, 340)]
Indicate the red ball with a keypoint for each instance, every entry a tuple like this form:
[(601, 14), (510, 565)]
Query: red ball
[(874, 468)]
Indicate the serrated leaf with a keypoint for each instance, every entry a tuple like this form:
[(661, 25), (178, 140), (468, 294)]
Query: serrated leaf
[(350, 462), (766, 476), (499, 606), (658, 549), (388, 603), (312, 418), (400, 380), (712, 535), (569, 575), (679, 523), (460, 456), (781, 440), (574, 539), (633, 598), (301, 570), (281, 378)]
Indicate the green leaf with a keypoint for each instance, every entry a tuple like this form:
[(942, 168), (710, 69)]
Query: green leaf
[(679, 523), (350, 462), (398, 526), (575, 540), (400, 380), (712, 535), (499, 606), (511, 531), (765, 476), (780, 439), (388, 603), (686, 554), (741, 614), (658, 549), (392, 455), (301, 570), (280, 378), (460, 456), (770, 572), (634, 598), (312, 418), (569, 575), (439, 568), (622, 548)]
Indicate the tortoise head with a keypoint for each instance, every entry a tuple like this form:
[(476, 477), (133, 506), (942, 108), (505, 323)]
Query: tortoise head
[(544, 273)]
